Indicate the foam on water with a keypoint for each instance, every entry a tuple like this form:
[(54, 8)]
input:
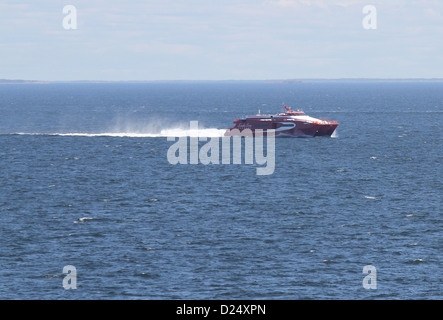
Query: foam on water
[(334, 134), (173, 132)]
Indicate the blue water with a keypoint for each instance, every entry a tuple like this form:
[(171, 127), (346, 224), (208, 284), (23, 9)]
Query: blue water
[(85, 181)]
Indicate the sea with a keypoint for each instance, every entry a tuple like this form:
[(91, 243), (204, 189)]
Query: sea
[(91, 207)]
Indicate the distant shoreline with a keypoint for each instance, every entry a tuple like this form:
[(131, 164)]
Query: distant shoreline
[(301, 80)]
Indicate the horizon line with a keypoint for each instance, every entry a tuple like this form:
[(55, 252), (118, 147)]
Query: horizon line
[(289, 80)]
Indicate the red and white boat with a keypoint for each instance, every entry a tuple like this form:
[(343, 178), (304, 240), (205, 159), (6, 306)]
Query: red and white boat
[(289, 123)]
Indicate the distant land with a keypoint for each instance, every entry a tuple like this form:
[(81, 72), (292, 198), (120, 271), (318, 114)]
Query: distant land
[(7, 81), (20, 81)]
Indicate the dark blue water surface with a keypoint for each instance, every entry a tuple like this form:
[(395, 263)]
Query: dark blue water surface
[(74, 191)]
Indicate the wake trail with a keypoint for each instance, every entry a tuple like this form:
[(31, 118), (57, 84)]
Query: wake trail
[(175, 132)]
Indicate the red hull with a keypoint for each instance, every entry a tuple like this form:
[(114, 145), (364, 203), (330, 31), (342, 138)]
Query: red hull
[(291, 123)]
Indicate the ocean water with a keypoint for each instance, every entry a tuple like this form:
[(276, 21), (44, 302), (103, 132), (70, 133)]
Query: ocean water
[(86, 182)]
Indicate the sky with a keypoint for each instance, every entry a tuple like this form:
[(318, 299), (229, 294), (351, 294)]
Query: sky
[(220, 39)]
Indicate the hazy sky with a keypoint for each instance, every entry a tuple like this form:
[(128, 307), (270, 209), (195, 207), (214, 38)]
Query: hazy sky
[(220, 40)]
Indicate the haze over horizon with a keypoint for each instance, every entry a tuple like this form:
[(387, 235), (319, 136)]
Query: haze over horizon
[(220, 40)]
